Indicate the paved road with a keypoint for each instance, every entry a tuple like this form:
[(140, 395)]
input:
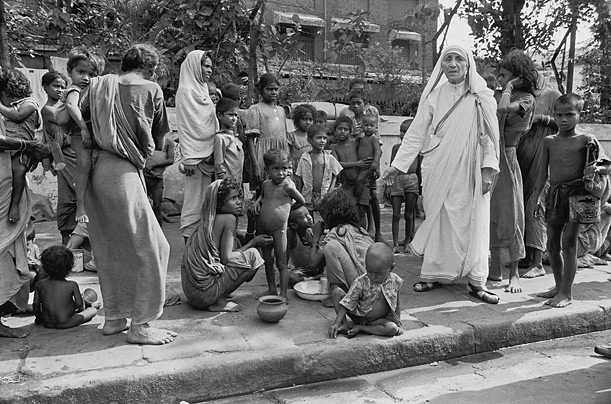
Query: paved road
[(560, 371)]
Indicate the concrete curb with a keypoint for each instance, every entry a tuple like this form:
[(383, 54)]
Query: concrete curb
[(204, 378)]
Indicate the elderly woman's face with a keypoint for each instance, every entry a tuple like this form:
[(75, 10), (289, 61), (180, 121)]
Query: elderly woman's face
[(206, 68), (454, 66)]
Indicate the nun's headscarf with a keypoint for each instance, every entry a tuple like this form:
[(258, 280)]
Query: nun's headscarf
[(475, 82)]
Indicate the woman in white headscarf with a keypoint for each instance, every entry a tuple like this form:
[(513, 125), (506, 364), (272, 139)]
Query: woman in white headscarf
[(456, 130), (197, 124)]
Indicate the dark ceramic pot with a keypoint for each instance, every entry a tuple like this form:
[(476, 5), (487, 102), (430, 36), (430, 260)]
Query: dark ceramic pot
[(272, 309)]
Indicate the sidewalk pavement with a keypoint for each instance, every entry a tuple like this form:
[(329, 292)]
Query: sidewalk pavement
[(223, 354)]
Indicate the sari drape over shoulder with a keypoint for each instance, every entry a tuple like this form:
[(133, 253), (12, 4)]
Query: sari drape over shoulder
[(131, 251), (454, 237)]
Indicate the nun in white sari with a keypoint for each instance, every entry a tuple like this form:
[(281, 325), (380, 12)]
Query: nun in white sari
[(456, 131)]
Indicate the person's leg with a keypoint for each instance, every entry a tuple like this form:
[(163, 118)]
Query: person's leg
[(79, 318), (495, 273), (270, 273), (81, 176), (7, 332), (411, 200), (382, 326), (19, 172), (281, 262), (564, 297), (554, 235), (157, 196), (396, 202), (363, 215), (536, 268), (514, 279), (375, 212)]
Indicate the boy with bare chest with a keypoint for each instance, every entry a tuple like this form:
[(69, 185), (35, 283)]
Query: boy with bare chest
[(565, 156)]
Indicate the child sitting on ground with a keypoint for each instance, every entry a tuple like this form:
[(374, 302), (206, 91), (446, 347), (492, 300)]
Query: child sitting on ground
[(82, 66), (273, 208), (305, 260), (317, 170), (228, 149), (565, 154), (303, 117), (22, 119), (372, 303), (405, 188), (57, 302)]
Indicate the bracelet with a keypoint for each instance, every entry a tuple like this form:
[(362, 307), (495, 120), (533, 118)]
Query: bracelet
[(509, 87), (548, 119)]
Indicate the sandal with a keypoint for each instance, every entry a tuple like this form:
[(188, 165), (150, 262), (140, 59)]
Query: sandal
[(483, 295), (426, 286)]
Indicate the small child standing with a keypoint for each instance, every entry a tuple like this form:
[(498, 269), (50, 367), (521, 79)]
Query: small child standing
[(372, 303), (317, 170), (265, 127), (228, 149), (565, 154), (369, 150), (303, 117), (273, 208), (156, 164), (22, 119), (358, 109), (405, 188), (54, 84), (82, 66), (57, 302)]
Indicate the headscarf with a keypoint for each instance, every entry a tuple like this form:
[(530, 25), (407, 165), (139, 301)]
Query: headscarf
[(195, 112), (474, 84)]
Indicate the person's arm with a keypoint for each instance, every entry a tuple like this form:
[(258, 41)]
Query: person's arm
[(298, 183), (75, 113), (36, 306), (341, 315), (541, 178), (169, 152), (20, 114), (292, 191), (377, 153), (332, 183), (317, 258), (219, 156), (398, 309), (227, 238), (78, 299), (506, 106)]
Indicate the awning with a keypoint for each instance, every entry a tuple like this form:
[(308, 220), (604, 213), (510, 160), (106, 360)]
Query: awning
[(342, 23), (400, 35), (307, 20)]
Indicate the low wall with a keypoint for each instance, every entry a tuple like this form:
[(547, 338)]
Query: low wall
[(46, 184)]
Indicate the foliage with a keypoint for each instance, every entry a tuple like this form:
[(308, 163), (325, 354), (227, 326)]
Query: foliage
[(501, 25)]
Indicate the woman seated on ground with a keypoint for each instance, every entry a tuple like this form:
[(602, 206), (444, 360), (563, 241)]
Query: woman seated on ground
[(346, 244), (212, 267)]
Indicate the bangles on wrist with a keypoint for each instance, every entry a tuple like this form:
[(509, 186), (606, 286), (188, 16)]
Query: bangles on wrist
[(22, 145)]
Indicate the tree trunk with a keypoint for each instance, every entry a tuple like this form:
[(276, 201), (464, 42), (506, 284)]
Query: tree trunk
[(4, 51), (604, 36), (511, 26)]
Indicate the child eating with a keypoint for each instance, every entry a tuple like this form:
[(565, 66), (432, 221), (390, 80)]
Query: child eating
[(57, 302), (273, 208), (372, 302)]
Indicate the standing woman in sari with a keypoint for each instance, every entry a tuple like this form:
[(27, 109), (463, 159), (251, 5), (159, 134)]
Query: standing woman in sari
[(530, 148), (14, 272), (197, 124), (518, 77), (129, 121), (456, 130)]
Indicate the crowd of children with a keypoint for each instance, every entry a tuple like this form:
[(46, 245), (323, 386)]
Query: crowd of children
[(289, 172)]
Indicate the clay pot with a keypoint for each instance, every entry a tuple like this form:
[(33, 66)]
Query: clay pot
[(272, 309)]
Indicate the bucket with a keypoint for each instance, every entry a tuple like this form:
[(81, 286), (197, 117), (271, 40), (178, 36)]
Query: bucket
[(78, 260), (584, 209)]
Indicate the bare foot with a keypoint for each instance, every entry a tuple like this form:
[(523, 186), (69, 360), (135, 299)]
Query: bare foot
[(353, 332), (114, 326), (534, 272), (268, 292), (559, 301), (549, 294), (396, 249), (514, 285), (343, 329), (400, 331), (225, 306), (8, 332), (144, 334), (13, 213), (378, 238)]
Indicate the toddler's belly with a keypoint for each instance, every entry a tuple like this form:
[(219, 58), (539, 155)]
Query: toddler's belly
[(272, 219)]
